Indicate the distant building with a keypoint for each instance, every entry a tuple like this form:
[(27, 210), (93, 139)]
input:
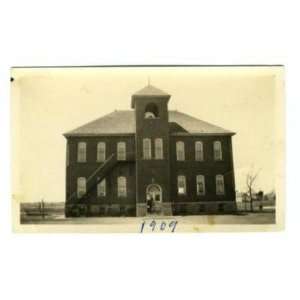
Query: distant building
[(119, 162)]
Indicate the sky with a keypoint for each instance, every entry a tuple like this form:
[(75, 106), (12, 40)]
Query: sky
[(46, 102)]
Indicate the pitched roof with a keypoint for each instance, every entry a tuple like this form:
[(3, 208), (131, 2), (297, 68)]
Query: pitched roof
[(150, 90), (123, 122)]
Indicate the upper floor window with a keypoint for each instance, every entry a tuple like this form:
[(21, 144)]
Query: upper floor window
[(217, 150), (122, 186), (101, 188), (147, 148), (200, 181), (181, 185), (151, 111), (158, 148), (121, 151), (180, 150), (81, 152), (101, 147), (220, 189), (81, 186), (199, 151)]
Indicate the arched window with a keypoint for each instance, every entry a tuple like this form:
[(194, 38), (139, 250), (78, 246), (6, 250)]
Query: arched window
[(181, 185), (159, 148), (199, 151), (217, 150), (121, 151), (101, 188), (151, 111), (81, 152), (146, 148), (101, 151), (180, 150), (200, 181), (220, 189), (122, 186), (81, 187)]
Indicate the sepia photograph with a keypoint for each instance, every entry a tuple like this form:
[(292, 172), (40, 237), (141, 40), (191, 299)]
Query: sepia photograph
[(148, 149)]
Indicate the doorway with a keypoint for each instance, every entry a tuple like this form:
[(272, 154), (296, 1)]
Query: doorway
[(154, 198)]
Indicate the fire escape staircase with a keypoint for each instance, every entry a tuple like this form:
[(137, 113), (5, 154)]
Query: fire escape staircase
[(100, 173)]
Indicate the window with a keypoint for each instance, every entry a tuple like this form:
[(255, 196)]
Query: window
[(101, 147), (180, 150), (121, 151), (217, 150), (220, 189), (81, 187), (159, 148), (151, 111), (181, 184), (200, 181), (199, 151), (122, 189), (101, 188), (81, 152), (147, 148)]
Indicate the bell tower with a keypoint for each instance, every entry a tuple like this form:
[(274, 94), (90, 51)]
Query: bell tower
[(152, 148)]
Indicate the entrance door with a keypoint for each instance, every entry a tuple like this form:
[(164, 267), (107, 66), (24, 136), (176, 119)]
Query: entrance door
[(154, 198)]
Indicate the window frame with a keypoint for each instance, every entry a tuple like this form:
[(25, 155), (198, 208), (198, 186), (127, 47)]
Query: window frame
[(159, 148), (218, 147), (121, 155), (122, 187), (202, 180), (147, 151), (101, 151), (179, 177), (220, 176), (82, 152), (199, 157), (81, 187), (101, 184), (179, 151)]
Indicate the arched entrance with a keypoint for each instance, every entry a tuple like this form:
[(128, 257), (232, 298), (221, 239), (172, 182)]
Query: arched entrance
[(154, 198)]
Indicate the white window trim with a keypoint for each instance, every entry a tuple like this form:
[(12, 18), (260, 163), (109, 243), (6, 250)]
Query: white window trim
[(81, 187), (218, 146), (146, 155), (83, 145), (158, 144), (219, 176), (200, 150), (122, 195), (184, 182), (121, 155), (178, 151), (103, 183), (103, 152), (202, 180)]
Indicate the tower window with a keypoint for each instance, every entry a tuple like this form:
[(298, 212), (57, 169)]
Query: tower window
[(147, 148), (158, 148), (151, 111)]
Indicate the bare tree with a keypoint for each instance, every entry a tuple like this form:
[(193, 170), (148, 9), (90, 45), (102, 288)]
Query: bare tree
[(250, 179)]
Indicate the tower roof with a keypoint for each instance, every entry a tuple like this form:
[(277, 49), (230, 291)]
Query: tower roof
[(149, 91)]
